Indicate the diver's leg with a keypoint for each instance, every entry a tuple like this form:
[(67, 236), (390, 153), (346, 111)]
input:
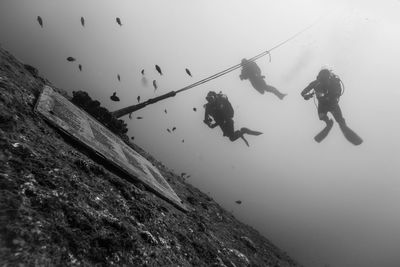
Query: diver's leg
[(323, 109), (348, 133), (322, 114), (228, 130), (238, 134), (232, 134), (257, 84), (337, 114), (243, 131), (235, 135), (275, 91), (261, 86)]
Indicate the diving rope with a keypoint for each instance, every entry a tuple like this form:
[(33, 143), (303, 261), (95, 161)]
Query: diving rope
[(267, 52), (124, 111)]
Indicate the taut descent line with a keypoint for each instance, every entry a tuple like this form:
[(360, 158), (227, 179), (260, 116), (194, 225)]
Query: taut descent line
[(124, 111)]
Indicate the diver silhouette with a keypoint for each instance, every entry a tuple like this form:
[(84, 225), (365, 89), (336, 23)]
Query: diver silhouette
[(219, 112), (328, 89), (251, 71)]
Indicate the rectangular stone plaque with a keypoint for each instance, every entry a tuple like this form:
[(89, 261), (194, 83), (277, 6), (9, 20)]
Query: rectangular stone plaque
[(83, 128)]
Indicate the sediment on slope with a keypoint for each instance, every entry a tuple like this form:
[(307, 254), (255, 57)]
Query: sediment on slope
[(60, 207)]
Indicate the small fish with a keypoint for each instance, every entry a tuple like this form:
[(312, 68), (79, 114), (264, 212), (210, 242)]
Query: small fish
[(165, 111), (238, 202), (168, 130), (173, 128), (138, 99), (83, 21), (183, 140), (118, 21), (188, 72), (132, 137), (118, 77), (139, 118), (80, 67), (194, 109), (40, 21), (71, 59), (130, 115), (159, 69), (155, 85), (142, 72), (114, 97)]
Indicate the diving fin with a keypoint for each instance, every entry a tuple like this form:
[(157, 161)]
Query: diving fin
[(248, 131), (324, 133), (351, 136), (244, 139)]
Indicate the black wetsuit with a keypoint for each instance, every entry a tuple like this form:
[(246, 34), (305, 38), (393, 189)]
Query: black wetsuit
[(252, 72), (217, 111), (328, 99)]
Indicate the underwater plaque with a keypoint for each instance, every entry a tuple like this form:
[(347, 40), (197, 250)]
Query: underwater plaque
[(83, 128)]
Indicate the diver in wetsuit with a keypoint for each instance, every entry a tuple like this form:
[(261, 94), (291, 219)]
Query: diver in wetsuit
[(328, 89), (219, 112), (252, 72)]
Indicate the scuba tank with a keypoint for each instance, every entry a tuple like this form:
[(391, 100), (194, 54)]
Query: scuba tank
[(224, 105)]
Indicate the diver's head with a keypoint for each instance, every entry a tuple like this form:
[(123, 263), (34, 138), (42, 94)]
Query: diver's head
[(211, 96), (324, 75), (244, 61)]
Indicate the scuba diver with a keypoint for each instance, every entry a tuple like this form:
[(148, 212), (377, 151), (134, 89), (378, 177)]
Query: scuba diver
[(328, 89), (219, 112), (252, 72)]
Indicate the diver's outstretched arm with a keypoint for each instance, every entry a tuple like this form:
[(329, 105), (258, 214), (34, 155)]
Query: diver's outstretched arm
[(308, 88)]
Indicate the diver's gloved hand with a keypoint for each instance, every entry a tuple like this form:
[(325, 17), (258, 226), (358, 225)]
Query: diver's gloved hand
[(209, 123), (307, 96), (241, 77), (212, 125)]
